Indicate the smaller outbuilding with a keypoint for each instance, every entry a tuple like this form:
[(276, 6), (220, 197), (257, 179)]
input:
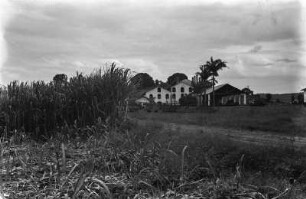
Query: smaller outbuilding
[(139, 98), (142, 101), (226, 94)]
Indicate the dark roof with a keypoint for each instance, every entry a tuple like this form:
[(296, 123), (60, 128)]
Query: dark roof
[(140, 93), (143, 97), (210, 90), (218, 87), (304, 89)]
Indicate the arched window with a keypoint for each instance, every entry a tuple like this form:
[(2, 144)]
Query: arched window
[(150, 96), (173, 96), (190, 89), (182, 95), (158, 89), (173, 89), (182, 89), (159, 96), (167, 96)]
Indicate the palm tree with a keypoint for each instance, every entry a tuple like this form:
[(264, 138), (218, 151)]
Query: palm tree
[(213, 66), (203, 83)]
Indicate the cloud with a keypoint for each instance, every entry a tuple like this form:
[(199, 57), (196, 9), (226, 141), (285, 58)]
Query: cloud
[(142, 66), (153, 37), (286, 60), (256, 49)]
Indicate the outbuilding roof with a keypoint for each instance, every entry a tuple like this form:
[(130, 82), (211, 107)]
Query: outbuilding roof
[(210, 90)]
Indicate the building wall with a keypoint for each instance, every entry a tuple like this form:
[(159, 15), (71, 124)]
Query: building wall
[(240, 99), (155, 92), (178, 93), (305, 96)]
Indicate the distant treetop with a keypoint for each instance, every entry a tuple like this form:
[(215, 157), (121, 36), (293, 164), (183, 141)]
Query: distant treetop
[(142, 81), (60, 78), (247, 91), (175, 78)]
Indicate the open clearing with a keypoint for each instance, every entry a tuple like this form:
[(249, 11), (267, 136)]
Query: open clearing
[(283, 126), (244, 136), (285, 120)]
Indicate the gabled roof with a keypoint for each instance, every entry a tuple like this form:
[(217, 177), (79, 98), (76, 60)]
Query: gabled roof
[(210, 90), (143, 97), (185, 81), (140, 93)]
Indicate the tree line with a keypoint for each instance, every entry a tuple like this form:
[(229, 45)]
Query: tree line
[(144, 80)]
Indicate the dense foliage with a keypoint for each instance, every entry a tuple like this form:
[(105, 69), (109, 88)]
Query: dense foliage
[(188, 100), (142, 81), (40, 108), (175, 78)]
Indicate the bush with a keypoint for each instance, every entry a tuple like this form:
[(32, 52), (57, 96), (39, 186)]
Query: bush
[(258, 102), (188, 101)]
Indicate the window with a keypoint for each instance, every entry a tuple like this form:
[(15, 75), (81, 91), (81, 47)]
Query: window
[(182, 95), (182, 89), (173, 96), (159, 96), (190, 89), (150, 96), (167, 96), (159, 90), (173, 89)]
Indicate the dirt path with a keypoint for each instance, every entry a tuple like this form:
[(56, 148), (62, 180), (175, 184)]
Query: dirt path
[(250, 137)]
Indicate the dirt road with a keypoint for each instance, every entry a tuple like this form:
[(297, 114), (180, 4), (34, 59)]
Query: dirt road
[(250, 137)]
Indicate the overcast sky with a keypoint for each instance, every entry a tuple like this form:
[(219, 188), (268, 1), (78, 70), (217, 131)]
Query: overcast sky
[(262, 41)]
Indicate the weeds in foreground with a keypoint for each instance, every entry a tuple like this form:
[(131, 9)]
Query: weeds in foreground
[(131, 164)]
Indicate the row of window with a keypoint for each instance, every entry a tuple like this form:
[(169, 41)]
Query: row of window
[(167, 96), (174, 89)]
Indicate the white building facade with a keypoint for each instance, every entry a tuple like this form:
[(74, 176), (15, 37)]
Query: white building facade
[(180, 89), (159, 95)]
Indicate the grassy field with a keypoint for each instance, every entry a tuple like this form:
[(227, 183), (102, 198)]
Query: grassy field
[(288, 120), (146, 162)]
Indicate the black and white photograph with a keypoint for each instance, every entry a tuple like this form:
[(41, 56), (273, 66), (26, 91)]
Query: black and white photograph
[(157, 99)]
